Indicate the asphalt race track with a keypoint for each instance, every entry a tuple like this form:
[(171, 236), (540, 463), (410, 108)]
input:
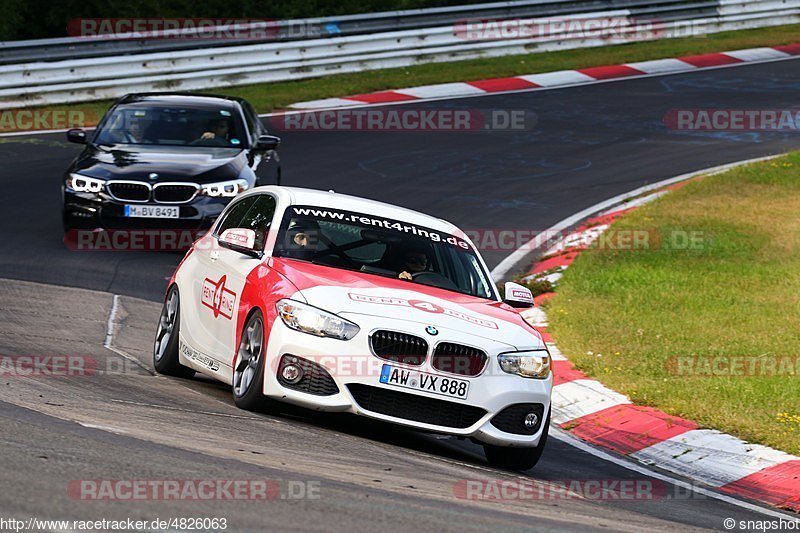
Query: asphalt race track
[(588, 144)]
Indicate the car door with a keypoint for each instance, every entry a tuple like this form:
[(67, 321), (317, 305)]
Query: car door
[(205, 291), (224, 273)]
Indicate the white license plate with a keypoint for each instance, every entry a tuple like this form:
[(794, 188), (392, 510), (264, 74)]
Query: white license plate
[(152, 211), (422, 381)]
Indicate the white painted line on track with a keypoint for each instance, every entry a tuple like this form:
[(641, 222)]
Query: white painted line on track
[(112, 319), (109, 341)]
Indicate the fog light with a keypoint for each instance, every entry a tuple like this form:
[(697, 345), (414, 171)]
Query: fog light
[(531, 419), (291, 373)]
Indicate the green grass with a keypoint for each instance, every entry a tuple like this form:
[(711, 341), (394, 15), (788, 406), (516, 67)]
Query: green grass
[(271, 96), (623, 316)]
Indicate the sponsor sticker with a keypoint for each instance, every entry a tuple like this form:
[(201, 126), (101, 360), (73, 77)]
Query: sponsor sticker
[(202, 359), (428, 307), (217, 297)]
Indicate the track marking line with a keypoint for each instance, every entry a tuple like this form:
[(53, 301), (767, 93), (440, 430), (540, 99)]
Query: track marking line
[(102, 428), (109, 340)]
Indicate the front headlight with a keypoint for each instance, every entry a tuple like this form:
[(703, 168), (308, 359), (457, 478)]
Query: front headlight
[(80, 183), (225, 189), (308, 319), (526, 364)]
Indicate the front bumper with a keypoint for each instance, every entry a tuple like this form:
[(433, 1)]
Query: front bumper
[(86, 211), (356, 372)]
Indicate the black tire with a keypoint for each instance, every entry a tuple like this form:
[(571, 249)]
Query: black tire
[(248, 375), (165, 346), (517, 459)]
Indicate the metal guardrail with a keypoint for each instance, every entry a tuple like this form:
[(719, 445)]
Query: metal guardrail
[(109, 76), (79, 47)]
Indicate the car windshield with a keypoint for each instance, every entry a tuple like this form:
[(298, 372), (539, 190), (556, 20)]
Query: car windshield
[(171, 125), (384, 247)]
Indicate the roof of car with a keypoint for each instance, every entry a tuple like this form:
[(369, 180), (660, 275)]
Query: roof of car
[(345, 202), (178, 98)]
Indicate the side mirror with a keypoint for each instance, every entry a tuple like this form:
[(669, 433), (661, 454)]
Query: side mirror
[(267, 142), (76, 135), (518, 296), (241, 240)]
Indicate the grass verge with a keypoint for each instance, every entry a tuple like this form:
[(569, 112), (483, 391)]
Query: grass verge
[(706, 331), (271, 96)]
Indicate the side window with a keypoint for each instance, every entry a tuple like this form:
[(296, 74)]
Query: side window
[(234, 215), (253, 122), (259, 218)]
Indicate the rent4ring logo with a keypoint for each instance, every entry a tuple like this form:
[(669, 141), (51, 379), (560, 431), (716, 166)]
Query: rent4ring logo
[(217, 297), (422, 305)]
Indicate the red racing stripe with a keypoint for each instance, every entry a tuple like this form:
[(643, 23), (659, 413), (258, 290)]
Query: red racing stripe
[(382, 97), (629, 428), (793, 49), (502, 84), (778, 485), (564, 372), (611, 72), (710, 60)]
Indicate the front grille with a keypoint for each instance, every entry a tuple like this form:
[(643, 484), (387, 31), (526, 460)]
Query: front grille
[(174, 194), (399, 347), (129, 192), (458, 359), (416, 408), (512, 418), (315, 380)]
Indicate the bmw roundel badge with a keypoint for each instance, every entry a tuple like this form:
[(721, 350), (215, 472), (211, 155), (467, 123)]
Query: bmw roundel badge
[(430, 330)]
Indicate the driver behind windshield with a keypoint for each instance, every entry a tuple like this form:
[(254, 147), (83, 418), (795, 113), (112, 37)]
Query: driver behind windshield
[(217, 130), (415, 260), (301, 239)]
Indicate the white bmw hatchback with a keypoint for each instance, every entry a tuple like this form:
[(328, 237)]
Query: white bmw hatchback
[(338, 303)]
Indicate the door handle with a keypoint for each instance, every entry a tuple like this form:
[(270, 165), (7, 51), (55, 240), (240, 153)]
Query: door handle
[(214, 255)]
